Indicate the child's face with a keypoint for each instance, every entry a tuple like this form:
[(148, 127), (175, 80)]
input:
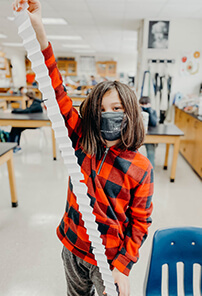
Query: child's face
[(111, 102)]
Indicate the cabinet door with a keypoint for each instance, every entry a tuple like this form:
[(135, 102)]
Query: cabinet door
[(101, 68), (71, 68), (62, 66), (177, 111), (181, 122), (197, 150), (107, 68), (111, 69), (189, 142)]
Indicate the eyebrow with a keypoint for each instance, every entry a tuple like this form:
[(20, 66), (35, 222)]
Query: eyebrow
[(114, 104)]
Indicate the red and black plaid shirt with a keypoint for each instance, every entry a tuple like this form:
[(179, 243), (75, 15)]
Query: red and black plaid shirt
[(120, 194)]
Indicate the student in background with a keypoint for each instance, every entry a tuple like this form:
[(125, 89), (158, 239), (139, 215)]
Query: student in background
[(15, 133), (22, 90), (145, 104), (78, 85), (93, 81)]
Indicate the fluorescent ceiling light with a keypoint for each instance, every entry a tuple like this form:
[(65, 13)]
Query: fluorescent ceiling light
[(10, 18), (64, 37), (47, 20), (3, 36), (76, 45), (12, 44), (84, 51), (53, 21)]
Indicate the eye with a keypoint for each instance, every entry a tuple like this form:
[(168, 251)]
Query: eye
[(118, 108)]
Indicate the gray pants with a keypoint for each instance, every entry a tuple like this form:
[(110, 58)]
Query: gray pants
[(82, 277)]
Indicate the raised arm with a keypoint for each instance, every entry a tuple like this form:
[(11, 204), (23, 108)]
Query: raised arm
[(34, 11), (70, 114)]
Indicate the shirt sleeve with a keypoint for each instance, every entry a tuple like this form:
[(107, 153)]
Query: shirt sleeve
[(70, 114), (139, 220)]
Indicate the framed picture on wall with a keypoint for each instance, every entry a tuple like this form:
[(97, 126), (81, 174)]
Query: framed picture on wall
[(158, 34)]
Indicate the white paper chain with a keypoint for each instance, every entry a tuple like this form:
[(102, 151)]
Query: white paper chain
[(32, 46)]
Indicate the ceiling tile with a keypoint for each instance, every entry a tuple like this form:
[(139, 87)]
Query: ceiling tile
[(105, 25)]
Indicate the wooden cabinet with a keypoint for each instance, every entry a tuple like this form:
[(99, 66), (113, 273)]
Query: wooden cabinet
[(67, 67), (107, 68), (5, 66), (191, 143)]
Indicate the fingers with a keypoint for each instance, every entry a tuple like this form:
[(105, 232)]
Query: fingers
[(18, 4)]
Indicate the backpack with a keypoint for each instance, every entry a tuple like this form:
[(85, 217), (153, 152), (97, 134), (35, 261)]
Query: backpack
[(4, 136)]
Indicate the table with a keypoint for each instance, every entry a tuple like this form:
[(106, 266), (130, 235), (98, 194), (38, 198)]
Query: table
[(79, 98), (6, 155), (28, 120), (168, 134), (19, 98)]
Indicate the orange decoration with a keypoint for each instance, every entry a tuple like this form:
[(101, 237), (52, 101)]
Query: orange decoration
[(184, 59), (197, 54)]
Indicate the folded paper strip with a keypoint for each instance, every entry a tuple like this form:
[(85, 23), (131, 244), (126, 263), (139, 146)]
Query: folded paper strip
[(32, 46)]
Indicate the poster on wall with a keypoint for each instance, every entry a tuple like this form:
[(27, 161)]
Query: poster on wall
[(189, 63), (158, 34), (87, 64)]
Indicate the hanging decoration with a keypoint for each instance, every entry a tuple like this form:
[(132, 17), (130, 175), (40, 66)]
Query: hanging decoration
[(189, 64)]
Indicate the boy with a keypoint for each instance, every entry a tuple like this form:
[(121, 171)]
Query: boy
[(145, 104)]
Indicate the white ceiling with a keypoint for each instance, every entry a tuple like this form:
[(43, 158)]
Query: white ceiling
[(106, 26)]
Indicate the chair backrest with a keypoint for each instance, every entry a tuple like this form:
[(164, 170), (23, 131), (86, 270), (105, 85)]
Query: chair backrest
[(170, 246)]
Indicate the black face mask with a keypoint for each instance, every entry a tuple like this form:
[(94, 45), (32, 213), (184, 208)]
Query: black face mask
[(112, 125)]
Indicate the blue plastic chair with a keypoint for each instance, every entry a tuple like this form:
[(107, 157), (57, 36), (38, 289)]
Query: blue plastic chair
[(170, 246)]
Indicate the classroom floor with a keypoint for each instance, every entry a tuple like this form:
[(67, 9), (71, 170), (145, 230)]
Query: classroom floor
[(30, 261)]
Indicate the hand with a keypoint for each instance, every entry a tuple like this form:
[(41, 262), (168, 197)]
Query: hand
[(122, 281), (34, 11)]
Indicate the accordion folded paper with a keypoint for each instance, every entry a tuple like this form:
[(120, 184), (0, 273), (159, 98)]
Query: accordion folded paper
[(32, 46)]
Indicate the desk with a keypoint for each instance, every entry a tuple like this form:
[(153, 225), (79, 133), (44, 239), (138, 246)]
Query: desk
[(168, 134), (6, 155), (19, 98), (28, 120), (79, 98)]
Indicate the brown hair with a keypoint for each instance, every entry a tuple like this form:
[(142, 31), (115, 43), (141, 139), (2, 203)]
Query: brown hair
[(133, 134), (144, 100)]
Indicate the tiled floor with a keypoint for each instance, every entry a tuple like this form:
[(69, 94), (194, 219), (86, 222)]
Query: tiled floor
[(30, 263)]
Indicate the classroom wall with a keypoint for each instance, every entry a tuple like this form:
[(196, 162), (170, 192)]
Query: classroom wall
[(17, 57), (184, 36), (126, 63)]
